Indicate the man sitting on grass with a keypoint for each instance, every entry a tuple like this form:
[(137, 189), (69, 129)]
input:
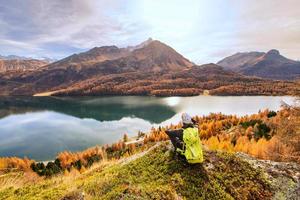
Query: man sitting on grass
[(186, 140)]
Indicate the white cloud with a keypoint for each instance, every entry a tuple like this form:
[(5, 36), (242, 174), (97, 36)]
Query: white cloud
[(204, 31)]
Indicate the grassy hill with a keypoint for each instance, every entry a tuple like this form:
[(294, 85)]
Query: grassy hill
[(154, 174)]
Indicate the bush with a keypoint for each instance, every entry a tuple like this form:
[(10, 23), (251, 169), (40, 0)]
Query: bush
[(52, 169), (49, 170), (262, 131), (78, 164), (271, 114), (93, 159), (250, 123), (39, 168)]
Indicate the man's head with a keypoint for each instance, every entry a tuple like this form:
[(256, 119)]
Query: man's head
[(186, 119)]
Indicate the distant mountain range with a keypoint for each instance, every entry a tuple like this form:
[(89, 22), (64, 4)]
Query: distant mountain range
[(150, 68), (15, 57), (270, 65), (20, 63)]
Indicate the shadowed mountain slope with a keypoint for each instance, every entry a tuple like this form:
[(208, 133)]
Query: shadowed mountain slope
[(270, 65)]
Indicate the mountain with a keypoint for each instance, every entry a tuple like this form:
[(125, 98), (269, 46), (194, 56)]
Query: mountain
[(94, 55), (15, 57), (149, 55), (269, 65), (99, 62), (150, 68), (157, 56), (239, 59), (20, 65)]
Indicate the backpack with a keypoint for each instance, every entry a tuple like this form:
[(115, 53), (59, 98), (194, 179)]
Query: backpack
[(192, 148)]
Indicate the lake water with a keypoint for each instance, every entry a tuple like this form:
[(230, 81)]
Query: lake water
[(40, 127)]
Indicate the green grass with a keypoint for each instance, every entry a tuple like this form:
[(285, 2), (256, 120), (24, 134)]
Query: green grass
[(157, 175)]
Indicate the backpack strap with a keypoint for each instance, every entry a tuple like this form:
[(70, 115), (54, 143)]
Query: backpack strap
[(182, 150)]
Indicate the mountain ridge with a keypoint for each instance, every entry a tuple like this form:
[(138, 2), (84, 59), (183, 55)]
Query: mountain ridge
[(150, 68)]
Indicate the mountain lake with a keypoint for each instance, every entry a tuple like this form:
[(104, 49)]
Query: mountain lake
[(41, 127)]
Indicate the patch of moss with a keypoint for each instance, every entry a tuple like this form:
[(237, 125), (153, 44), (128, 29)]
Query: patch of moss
[(34, 192)]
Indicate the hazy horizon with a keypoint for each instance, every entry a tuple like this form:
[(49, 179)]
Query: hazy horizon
[(201, 31)]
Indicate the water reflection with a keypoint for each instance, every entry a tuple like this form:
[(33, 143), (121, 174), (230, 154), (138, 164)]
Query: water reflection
[(41, 135), (98, 108)]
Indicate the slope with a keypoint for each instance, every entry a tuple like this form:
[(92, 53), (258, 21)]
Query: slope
[(235, 61), (156, 175), (189, 81)]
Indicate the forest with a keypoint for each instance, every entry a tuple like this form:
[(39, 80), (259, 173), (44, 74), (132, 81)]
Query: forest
[(170, 85)]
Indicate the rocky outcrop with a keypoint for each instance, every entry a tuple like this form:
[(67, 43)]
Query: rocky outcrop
[(283, 176)]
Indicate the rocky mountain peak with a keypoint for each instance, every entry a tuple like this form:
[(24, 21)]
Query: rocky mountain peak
[(141, 45), (273, 52), (160, 56)]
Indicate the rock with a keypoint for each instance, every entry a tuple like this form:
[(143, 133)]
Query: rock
[(284, 176)]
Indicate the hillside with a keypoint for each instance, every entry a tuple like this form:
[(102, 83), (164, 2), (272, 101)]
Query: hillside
[(157, 173), (269, 65), (150, 68), (20, 65), (191, 81)]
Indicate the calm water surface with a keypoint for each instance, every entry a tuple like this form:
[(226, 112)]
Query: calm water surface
[(40, 127)]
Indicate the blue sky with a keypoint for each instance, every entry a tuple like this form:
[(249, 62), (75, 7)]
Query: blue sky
[(203, 31)]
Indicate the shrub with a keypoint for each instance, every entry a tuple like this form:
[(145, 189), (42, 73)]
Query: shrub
[(262, 131), (271, 114), (78, 164), (250, 123)]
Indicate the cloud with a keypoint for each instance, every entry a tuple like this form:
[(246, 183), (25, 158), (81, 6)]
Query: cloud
[(267, 24), (76, 24), (203, 31)]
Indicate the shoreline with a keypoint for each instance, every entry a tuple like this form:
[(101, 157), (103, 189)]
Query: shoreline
[(48, 94)]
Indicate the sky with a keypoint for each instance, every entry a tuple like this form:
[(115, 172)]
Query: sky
[(202, 30)]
